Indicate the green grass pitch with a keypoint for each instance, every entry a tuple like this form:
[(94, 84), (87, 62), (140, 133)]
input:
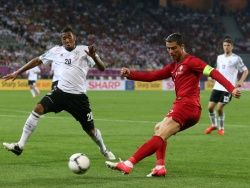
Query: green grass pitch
[(126, 119)]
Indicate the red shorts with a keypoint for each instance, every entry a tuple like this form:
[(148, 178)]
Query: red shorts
[(185, 114)]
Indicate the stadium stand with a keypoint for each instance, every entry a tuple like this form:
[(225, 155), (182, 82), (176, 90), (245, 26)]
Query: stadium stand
[(126, 34)]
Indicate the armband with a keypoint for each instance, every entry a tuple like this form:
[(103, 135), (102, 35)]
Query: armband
[(207, 70)]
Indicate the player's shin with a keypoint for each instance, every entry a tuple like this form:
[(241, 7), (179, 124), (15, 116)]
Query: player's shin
[(221, 120), (97, 137), (213, 119), (33, 93), (160, 154), (37, 91), (28, 128), (147, 149)]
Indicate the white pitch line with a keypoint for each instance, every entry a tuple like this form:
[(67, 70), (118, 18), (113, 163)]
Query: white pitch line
[(110, 120), (63, 117)]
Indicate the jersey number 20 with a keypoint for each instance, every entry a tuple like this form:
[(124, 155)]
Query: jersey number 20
[(67, 61)]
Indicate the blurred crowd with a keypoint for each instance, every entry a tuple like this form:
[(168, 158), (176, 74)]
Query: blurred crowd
[(130, 35)]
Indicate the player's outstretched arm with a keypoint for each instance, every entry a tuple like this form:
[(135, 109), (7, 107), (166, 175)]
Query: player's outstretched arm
[(33, 63), (147, 76), (92, 53)]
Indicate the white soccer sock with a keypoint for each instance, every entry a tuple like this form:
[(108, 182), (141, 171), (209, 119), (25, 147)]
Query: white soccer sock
[(33, 93), (221, 120), (28, 128), (99, 141), (213, 119), (158, 167), (37, 91), (128, 163)]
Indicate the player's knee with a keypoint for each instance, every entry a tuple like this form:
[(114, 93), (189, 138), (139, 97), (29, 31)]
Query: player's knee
[(220, 111), (88, 127), (39, 109), (90, 132), (157, 126), (167, 130), (211, 109)]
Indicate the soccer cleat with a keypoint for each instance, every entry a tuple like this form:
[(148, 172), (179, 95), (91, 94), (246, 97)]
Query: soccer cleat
[(120, 166), (14, 147), (221, 132), (109, 155), (158, 171), (210, 129)]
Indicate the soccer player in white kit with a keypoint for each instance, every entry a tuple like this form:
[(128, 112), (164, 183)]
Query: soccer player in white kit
[(70, 93), (229, 64), (32, 78)]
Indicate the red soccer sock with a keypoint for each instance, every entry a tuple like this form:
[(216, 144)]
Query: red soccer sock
[(160, 154), (147, 149)]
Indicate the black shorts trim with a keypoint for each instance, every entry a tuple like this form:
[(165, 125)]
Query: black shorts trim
[(31, 82), (54, 85), (220, 96)]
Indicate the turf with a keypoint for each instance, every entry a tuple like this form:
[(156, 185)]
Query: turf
[(126, 120)]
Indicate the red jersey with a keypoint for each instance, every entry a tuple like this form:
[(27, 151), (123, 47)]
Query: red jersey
[(185, 75)]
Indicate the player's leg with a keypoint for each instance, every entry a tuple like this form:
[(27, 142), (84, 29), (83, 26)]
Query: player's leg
[(79, 107), (96, 136), (225, 99), (214, 99), (159, 169), (37, 91), (28, 128), (212, 117), (44, 106), (160, 153), (221, 118), (167, 128), (180, 117), (30, 83)]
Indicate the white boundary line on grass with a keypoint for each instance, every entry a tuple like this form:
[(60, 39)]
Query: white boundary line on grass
[(63, 117), (107, 120)]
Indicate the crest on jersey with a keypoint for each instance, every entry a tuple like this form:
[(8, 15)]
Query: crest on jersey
[(180, 70)]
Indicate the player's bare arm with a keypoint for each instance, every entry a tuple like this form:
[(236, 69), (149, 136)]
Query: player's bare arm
[(33, 63), (243, 78), (92, 53), (125, 72)]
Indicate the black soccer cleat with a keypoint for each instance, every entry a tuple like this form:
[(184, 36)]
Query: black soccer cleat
[(13, 147)]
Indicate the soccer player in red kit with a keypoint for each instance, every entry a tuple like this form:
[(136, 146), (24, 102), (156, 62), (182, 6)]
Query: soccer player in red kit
[(185, 71)]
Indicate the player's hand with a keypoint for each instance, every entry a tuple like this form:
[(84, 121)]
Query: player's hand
[(236, 93), (91, 51), (125, 72), (11, 76)]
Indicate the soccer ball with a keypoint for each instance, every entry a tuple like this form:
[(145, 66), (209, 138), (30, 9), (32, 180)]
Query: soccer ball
[(79, 163)]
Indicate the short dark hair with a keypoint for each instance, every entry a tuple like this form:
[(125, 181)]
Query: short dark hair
[(67, 29), (228, 39), (175, 37)]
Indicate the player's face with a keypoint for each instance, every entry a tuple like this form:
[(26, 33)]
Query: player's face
[(174, 50), (227, 47), (68, 40)]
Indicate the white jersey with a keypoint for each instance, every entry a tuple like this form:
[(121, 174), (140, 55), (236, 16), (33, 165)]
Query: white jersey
[(56, 71), (73, 67), (229, 66), (33, 73)]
